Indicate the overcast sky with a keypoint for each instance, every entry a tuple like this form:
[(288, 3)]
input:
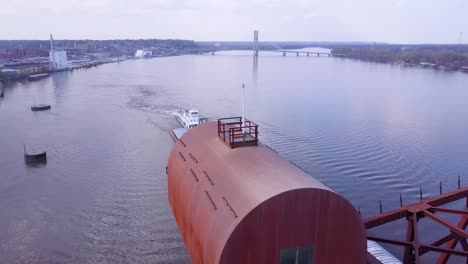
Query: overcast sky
[(394, 21)]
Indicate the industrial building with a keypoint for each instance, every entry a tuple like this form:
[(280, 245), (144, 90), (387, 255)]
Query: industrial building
[(58, 58), (238, 201), (143, 54)]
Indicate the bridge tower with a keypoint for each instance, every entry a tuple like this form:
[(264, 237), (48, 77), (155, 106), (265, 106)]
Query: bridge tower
[(255, 45)]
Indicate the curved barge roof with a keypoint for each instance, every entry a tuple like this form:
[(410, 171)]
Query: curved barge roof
[(250, 205)]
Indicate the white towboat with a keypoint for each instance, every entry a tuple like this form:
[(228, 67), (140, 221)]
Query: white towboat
[(188, 119)]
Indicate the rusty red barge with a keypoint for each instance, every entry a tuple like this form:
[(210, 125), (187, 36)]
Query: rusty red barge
[(236, 200)]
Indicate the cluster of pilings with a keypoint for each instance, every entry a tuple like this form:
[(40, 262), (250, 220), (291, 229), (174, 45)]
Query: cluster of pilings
[(420, 196)]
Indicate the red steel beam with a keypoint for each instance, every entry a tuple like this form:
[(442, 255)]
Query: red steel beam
[(449, 211), (446, 251), (427, 208), (408, 255), (385, 218), (443, 240), (464, 244), (403, 212), (448, 197), (455, 229), (443, 258), (424, 248), (416, 242), (439, 242)]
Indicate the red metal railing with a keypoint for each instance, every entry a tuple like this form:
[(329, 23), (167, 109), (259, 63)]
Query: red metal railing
[(237, 133)]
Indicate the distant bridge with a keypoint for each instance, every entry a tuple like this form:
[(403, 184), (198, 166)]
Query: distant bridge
[(316, 53), (284, 52), (256, 50)]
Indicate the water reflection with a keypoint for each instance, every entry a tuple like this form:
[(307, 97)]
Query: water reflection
[(60, 82), (37, 164), (255, 70)]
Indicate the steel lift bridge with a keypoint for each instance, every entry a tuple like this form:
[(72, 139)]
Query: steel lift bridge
[(436, 211)]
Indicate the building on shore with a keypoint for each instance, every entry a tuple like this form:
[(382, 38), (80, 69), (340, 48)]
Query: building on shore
[(58, 58), (143, 54)]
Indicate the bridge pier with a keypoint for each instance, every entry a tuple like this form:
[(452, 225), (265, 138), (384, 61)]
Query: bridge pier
[(255, 44)]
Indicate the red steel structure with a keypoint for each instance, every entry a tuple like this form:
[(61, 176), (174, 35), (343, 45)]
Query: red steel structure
[(247, 205), (430, 209)]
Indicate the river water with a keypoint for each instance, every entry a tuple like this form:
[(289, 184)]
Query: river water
[(369, 131)]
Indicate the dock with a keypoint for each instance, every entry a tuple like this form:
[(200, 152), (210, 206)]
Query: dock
[(34, 156), (37, 77), (40, 107)]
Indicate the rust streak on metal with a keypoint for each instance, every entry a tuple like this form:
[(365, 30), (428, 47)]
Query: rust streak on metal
[(211, 200), (194, 175), (208, 178), (182, 156), (230, 207), (193, 158)]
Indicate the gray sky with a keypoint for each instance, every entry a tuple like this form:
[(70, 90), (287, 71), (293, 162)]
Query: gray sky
[(394, 21)]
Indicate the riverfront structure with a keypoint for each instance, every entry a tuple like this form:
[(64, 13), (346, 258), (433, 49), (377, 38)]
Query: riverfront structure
[(143, 54), (58, 58)]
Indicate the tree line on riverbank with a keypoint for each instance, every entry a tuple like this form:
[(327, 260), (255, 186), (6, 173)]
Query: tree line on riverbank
[(449, 56)]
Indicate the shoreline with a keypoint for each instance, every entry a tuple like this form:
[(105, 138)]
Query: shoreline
[(411, 65), (447, 58), (78, 66)]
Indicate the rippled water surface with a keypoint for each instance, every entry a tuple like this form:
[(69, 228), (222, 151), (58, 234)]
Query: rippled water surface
[(369, 131)]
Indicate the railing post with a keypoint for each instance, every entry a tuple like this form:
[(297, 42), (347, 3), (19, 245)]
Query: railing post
[(256, 132), (224, 132), (231, 135)]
